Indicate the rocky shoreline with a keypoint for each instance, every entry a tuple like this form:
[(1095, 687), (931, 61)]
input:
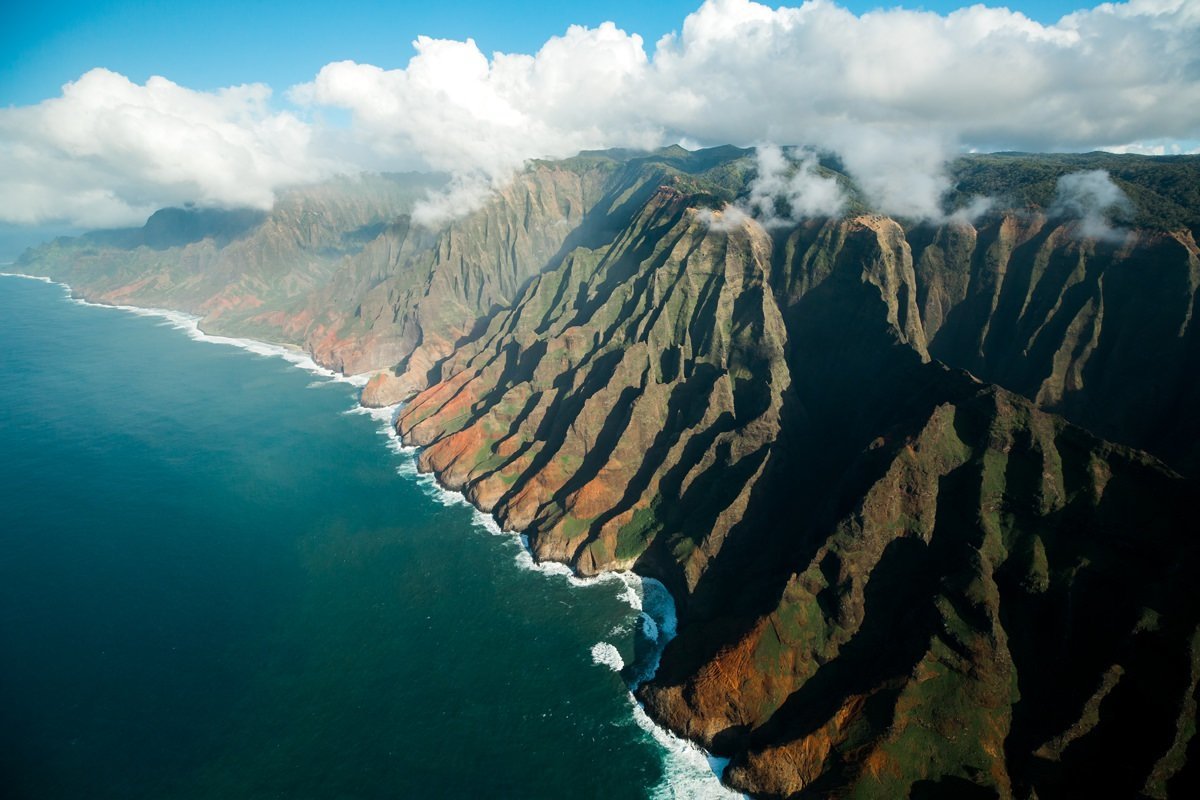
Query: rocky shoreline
[(875, 461)]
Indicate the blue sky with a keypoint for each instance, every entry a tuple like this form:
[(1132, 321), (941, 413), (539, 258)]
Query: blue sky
[(206, 45)]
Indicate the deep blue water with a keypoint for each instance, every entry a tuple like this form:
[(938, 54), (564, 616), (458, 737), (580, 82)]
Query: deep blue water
[(215, 582)]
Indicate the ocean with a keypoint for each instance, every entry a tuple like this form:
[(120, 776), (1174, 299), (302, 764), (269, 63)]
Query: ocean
[(221, 578)]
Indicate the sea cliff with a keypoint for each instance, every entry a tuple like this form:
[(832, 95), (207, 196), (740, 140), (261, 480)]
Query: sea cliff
[(887, 468)]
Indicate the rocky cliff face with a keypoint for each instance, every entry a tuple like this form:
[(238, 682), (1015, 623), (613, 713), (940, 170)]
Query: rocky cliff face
[(653, 365), (861, 452), (1102, 331), (1007, 606), (893, 578), (413, 295)]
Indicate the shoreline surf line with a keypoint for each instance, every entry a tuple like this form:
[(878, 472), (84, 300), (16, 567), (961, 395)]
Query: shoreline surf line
[(690, 770), (190, 325)]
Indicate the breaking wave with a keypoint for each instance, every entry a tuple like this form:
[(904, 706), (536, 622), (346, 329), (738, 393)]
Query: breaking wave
[(607, 655)]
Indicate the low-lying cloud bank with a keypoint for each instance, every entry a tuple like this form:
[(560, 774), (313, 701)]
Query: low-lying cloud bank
[(893, 92)]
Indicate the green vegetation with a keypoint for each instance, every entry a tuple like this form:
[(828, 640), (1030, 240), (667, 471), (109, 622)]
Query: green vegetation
[(635, 535), (573, 526), (906, 576), (1165, 190)]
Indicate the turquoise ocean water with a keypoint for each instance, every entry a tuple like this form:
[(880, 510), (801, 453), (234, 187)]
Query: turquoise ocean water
[(218, 580)]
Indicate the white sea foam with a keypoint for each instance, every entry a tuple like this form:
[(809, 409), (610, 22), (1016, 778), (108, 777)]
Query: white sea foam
[(190, 325), (386, 414), (690, 771), (449, 498), (407, 466), (488, 523), (41, 278), (634, 590), (607, 655), (631, 583)]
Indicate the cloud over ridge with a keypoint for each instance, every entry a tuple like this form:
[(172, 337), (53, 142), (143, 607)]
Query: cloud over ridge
[(892, 92), (109, 151), (1091, 197), (787, 188)]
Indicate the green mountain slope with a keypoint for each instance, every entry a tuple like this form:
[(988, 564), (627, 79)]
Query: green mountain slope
[(873, 459), (1101, 331), (719, 410)]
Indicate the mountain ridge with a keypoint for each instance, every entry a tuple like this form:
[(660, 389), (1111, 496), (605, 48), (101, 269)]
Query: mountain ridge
[(780, 423)]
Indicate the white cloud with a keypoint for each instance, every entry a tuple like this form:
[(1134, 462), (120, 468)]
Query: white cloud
[(1157, 148), (1092, 198), (975, 208), (784, 191), (464, 193), (109, 152), (453, 109), (893, 92), (899, 169), (726, 220)]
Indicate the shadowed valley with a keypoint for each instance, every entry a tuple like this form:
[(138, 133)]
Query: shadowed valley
[(922, 490)]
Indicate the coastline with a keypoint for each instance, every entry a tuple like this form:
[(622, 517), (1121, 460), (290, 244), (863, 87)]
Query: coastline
[(690, 771)]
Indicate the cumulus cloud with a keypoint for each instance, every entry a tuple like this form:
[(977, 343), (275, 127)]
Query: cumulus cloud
[(893, 92), (109, 152), (1092, 198), (896, 92), (784, 193), (786, 189), (454, 109)]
